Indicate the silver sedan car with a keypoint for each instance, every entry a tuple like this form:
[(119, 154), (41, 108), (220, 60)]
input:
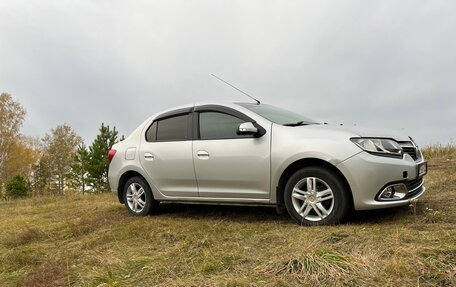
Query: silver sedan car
[(245, 153)]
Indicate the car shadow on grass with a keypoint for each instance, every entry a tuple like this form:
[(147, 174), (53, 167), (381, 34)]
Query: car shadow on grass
[(221, 212), (263, 214)]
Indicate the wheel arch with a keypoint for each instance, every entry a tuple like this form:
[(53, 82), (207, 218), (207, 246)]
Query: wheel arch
[(302, 163), (123, 179)]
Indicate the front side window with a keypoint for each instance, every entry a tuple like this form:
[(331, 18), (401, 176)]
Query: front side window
[(172, 129), (215, 125)]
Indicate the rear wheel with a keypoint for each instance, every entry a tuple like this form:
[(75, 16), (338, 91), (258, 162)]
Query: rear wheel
[(316, 196), (138, 197)]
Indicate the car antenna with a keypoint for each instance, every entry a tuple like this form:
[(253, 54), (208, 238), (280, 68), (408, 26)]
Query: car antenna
[(257, 101)]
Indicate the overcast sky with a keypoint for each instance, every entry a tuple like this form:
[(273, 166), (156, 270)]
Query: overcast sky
[(388, 64)]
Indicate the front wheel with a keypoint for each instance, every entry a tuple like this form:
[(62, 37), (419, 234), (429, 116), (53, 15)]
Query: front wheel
[(316, 196), (138, 197)]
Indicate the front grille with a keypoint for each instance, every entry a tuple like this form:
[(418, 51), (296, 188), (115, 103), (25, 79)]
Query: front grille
[(411, 151), (412, 184)]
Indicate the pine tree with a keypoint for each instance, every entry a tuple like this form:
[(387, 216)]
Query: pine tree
[(98, 160), (79, 168), (16, 187)]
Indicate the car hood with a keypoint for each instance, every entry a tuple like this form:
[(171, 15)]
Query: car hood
[(367, 132)]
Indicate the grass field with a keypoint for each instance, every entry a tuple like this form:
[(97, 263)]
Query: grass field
[(91, 241)]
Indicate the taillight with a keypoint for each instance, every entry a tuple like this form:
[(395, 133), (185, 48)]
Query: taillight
[(111, 155)]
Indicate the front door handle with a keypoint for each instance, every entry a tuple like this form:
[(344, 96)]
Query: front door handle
[(202, 154), (148, 156)]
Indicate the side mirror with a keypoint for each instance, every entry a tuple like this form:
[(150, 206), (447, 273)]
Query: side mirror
[(247, 129)]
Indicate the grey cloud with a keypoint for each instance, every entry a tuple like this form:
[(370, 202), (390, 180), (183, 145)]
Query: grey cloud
[(386, 64)]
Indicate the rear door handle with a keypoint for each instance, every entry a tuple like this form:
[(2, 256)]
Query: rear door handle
[(202, 154), (148, 156)]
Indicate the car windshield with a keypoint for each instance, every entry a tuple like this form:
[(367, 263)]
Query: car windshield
[(278, 115)]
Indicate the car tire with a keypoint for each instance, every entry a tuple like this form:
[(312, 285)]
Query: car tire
[(138, 197), (316, 196)]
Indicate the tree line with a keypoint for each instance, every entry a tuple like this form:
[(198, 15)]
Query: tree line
[(55, 164)]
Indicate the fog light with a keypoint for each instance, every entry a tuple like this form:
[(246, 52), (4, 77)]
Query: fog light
[(388, 193), (393, 192)]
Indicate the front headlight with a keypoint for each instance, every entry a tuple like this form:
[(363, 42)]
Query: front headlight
[(386, 147)]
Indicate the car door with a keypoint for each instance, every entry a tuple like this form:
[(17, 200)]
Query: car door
[(228, 165), (166, 154)]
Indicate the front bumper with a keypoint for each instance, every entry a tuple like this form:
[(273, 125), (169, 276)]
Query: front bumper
[(368, 175)]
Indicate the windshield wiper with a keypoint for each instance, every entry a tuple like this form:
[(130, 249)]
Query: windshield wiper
[(300, 123)]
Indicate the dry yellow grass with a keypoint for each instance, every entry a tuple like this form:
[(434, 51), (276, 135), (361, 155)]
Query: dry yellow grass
[(91, 241), (439, 151)]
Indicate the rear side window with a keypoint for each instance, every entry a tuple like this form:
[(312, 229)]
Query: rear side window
[(172, 129), (151, 133), (215, 125)]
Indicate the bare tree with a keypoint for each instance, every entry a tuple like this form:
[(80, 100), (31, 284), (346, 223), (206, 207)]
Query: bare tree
[(59, 153)]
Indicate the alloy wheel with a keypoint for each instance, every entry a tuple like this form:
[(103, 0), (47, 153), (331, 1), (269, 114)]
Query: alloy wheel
[(136, 197), (312, 198)]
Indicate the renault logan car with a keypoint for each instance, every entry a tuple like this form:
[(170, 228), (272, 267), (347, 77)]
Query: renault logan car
[(245, 153)]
